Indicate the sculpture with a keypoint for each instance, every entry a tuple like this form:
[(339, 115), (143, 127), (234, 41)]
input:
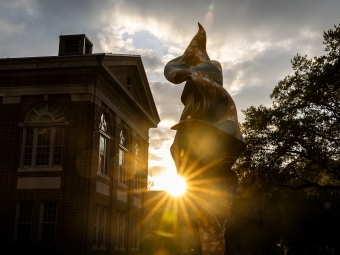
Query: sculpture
[(208, 139)]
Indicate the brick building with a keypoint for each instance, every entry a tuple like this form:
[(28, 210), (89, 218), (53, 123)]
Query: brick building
[(74, 151)]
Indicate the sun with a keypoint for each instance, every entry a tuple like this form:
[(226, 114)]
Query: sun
[(175, 185)]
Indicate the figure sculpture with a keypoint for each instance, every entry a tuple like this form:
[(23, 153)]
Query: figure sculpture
[(208, 139)]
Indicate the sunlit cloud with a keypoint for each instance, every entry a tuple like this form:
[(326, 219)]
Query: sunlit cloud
[(254, 41)]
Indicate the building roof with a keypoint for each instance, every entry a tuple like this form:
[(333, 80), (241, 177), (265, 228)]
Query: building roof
[(106, 64)]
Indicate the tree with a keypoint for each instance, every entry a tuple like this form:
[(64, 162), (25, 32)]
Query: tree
[(295, 143), (290, 222), (254, 224)]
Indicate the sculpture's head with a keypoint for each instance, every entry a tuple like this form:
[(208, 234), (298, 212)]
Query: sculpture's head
[(194, 63)]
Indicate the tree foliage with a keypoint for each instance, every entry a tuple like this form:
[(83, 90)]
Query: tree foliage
[(295, 142), (284, 222)]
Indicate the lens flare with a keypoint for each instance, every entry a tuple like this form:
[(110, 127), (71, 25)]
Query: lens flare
[(176, 186), (208, 20)]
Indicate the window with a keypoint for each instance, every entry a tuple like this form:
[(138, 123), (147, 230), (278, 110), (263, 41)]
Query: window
[(48, 221), (43, 137), (96, 228), (137, 177), (137, 174), (99, 240), (24, 222), (136, 231), (103, 227), (122, 163), (104, 145), (120, 230)]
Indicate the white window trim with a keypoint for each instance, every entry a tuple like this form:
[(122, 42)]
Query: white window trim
[(103, 176), (137, 177), (33, 167), (107, 142), (107, 155), (35, 125), (122, 183), (42, 208)]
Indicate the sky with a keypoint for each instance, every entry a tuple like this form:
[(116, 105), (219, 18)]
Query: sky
[(254, 40)]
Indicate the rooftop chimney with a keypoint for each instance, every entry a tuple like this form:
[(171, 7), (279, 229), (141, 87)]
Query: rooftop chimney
[(74, 45)]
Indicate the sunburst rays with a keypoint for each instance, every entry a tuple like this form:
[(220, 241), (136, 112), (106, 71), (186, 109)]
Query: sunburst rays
[(184, 206)]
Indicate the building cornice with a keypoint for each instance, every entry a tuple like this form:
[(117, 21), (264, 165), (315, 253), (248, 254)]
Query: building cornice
[(101, 62)]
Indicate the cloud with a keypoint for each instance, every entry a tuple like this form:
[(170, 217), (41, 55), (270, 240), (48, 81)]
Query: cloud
[(168, 100), (157, 170), (153, 156), (152, 61), (254, 40), (159, 136)]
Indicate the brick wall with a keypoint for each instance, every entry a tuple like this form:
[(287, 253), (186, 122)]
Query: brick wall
[(77, 196)]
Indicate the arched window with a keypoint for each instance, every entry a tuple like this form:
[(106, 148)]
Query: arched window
[(122, 162), (43, 137), (122, 138), (104, 145), (137, 149), (137, 171)]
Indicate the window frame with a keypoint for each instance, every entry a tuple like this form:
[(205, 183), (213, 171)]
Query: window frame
[(122, 163), (105, 136), (100, 228), (42, 222), (56, 124), (137, 177), (120, 230), (18, 223)]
